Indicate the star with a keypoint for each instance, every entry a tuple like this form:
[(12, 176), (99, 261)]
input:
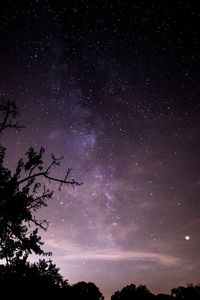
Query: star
[(115, 91)]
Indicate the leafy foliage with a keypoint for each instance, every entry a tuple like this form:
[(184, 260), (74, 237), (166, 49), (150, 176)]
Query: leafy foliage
[(86, 290), (20, 274), (190, 292), (131, 291)]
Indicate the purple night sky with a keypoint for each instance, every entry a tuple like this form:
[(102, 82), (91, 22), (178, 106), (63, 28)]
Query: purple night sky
[(114, 87)]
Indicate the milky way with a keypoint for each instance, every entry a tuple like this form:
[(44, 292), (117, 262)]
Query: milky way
[(114, 87)]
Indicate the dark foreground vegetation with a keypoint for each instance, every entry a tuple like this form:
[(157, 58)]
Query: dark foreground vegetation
[(24, 279), (21, 196), (133, 292)]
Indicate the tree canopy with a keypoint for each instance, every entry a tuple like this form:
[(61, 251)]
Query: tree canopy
[(186, 293), (86, 290), (20, 274), (131, 292)]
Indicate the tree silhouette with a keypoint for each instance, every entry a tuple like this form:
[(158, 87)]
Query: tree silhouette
[(83, 290), (21, 195), (190, 292), (20, 274), (131, 292)]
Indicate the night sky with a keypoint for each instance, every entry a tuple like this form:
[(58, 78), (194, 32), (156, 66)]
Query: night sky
[(114, 87)]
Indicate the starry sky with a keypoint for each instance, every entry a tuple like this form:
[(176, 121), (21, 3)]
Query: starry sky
[(114, 87)]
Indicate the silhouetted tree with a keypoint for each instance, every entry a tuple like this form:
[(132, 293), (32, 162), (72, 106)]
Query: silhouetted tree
[(21, 195), (20, 274), (131, 292), (190, 292), (86, 291)]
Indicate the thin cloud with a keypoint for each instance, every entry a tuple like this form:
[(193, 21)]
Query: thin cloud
[(73, 252)]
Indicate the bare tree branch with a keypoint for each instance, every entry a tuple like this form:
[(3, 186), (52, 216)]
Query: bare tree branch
[(45, 174), (44, 224), (66, 176)]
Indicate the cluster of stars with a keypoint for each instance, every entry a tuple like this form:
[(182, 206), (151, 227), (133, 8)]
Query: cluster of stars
[(114, 88)]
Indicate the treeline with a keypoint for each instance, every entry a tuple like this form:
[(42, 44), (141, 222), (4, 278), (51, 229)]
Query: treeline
[(25, 280), (141, 292)]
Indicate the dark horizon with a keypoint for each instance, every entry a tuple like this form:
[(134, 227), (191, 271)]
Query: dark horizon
[(114, 88)]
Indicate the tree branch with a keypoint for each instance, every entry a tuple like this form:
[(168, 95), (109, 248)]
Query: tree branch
[(40, 223), (44, 174)]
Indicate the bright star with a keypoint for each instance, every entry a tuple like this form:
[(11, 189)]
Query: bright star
[(187, 237)]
